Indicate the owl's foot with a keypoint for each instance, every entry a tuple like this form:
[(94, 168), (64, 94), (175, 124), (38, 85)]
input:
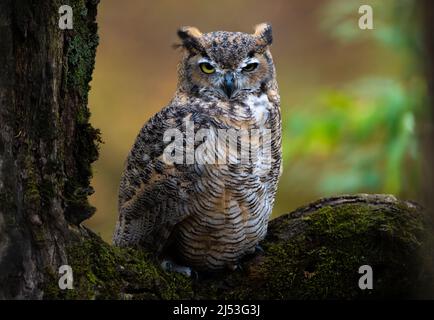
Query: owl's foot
[(235, 267), (256, 250), (259, 249), (170, 266)]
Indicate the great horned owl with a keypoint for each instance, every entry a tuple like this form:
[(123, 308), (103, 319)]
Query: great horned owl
[(211, 214)]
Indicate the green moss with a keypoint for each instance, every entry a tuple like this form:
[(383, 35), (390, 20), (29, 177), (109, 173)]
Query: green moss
[(324, 261), (31, 186), (105, 272), (81, 55), (77, 188), (319, 261), (81, 49), (81, 46)]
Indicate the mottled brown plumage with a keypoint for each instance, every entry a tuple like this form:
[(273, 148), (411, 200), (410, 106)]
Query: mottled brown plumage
[(211, 214)]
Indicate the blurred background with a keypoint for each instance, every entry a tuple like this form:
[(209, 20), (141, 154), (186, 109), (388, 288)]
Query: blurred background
[(354, 102)]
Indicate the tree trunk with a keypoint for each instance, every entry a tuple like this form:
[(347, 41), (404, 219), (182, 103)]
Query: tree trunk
[(46, 142), (46, 149)]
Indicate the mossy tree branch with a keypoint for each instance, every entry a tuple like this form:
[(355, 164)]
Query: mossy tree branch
[(312, 253)]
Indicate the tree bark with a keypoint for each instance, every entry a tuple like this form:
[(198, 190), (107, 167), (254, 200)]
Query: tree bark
[(46, 142), (46, 149)]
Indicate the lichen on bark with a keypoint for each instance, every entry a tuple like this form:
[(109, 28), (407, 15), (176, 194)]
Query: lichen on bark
[(80, 48)]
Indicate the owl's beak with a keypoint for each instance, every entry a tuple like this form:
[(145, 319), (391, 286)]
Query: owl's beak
[(229, 84)]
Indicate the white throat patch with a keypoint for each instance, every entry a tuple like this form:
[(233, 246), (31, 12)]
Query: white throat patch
[(259, 107)]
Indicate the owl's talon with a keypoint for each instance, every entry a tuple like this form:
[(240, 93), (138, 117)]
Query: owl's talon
[(259, 249), (194, 275), (170, 266), (235, 267), (167, 265)]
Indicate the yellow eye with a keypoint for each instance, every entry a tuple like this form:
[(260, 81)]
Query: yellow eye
[(250, 67), (207, 68)]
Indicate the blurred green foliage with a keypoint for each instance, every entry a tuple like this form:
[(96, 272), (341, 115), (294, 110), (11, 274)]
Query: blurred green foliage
[(365, 130)]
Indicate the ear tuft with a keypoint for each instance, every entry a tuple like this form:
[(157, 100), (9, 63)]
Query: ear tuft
[(190, 37), (263, 34), (189, 32)]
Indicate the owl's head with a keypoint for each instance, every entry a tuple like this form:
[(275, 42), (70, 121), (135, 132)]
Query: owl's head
[(225, 65)]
